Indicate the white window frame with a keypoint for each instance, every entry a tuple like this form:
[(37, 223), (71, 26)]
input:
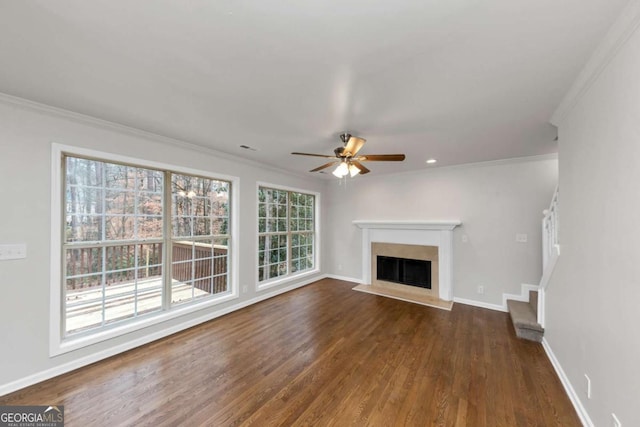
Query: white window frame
[(60, 345), (290, 277)]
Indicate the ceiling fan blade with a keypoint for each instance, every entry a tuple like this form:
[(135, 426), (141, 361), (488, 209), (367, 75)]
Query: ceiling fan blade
[(326, 165), (354, 144), (381, 158), (360, 166), (314, 155)]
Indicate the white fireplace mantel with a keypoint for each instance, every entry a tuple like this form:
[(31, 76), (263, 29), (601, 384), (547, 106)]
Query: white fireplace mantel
[(428, 233), (409, 225)]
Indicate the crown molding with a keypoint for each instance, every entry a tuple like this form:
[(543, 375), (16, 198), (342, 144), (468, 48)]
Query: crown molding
[(84, 119), (623, 28), (462, 166)]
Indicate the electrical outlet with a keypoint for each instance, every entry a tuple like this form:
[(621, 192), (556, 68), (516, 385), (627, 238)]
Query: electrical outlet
[(245, 289), (588, 386), (615, 421), (339, 267), (465, 238), (521, 238), (481, 289), (8, 252)]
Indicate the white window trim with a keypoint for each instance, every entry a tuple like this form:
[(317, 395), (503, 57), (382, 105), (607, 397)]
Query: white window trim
[(262, 286), (59, 345)]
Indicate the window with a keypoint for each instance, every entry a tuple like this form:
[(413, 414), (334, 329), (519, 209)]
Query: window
[(286, 233), (138, 241), (200, 237)]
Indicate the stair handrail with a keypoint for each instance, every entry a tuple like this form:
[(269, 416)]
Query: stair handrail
[(550, 244), (550, 252)]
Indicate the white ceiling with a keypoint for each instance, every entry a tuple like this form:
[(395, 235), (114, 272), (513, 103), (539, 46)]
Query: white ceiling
[(459, 80)]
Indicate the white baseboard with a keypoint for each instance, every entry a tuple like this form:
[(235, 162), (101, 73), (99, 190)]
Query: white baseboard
[(345, 278), (573, 396), (480, 304), (87, 360), (523, 296)]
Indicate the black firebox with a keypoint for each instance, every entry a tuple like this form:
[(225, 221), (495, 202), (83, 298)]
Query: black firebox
[(406, 271)]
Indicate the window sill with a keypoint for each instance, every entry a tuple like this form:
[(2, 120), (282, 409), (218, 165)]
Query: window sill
[(262, 286), (74, 343)]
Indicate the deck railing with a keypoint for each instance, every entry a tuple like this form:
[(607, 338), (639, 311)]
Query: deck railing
[(192, 262), (133, 282)]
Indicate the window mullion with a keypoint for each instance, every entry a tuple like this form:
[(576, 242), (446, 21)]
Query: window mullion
[(136, 220), (289, 237), (103, 285), (167, 217), (103, 220), (267, 257), (63, 257)]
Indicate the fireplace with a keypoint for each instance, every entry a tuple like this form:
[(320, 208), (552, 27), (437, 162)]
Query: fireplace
[(403, 267), (418, 240), (405, 271)]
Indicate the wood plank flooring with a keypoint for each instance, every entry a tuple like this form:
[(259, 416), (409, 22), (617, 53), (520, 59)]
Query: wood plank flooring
[(322, 355)]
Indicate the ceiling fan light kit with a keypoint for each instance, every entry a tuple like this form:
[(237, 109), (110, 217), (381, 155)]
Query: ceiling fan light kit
[(347, 159), (342, 170), (346, 168)]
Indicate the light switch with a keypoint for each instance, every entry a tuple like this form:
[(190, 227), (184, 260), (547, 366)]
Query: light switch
[(8, 252)]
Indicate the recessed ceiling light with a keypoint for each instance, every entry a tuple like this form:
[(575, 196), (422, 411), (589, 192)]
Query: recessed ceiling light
[(431, 161)]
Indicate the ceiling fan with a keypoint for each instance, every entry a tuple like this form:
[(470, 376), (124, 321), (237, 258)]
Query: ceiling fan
[(348, 160)]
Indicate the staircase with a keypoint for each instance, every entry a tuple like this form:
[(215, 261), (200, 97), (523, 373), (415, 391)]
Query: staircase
[(524, 316), (528, 316)]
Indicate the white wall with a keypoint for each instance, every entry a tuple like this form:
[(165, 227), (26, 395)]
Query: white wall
[(25, 173), (593, 313), (494, 201)]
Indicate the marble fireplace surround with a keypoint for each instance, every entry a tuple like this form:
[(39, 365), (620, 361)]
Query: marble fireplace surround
[(426, 233)]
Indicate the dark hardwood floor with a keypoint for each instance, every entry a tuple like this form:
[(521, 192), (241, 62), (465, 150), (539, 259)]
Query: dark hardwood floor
[(322, 355)]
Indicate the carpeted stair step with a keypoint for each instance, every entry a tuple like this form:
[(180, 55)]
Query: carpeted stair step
[(533, 301), (524, 318)]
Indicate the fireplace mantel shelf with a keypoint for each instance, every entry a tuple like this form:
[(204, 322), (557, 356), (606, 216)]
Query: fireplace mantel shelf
[(408, 225)]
